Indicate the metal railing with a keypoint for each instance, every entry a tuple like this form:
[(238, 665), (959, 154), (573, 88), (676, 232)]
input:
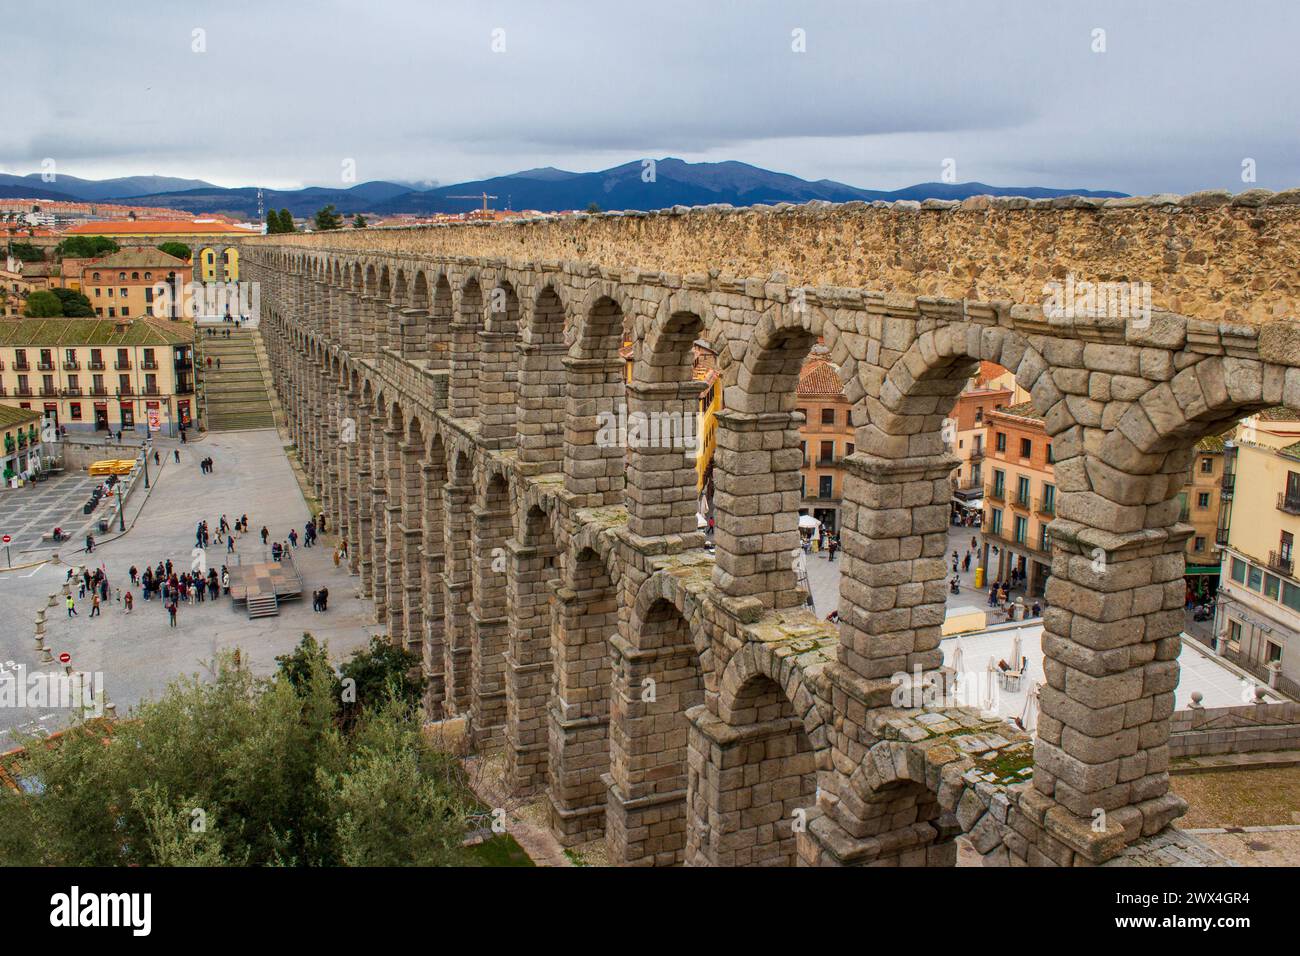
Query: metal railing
[(1278, 562), (1288, 502)]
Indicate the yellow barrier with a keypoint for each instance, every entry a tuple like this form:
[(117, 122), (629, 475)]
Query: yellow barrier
[(112, 466)]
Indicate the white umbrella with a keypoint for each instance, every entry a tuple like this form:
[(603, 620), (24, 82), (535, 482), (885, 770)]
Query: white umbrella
[(987, 701), (1015, 652), (1029, 716), (808, 521), (958, 657), (701, 521)]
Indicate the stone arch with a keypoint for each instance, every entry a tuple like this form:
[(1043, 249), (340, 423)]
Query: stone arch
[(596, 390), (542, 381), (497, 366), (433, 552), (533, 577), (458, 579), (659, 674), (462, 396), (488, 612)]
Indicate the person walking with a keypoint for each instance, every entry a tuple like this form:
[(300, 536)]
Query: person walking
[(230, 545), (94, 605), (128, 602), (177, 453), (265, 534), (72, 607), (171, 613)]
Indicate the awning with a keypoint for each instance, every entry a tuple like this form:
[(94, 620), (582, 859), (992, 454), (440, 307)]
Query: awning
[(973, 503), (1202, 569)]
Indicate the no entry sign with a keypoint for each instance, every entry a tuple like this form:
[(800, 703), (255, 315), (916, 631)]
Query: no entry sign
[(5, 539), (65, 658)]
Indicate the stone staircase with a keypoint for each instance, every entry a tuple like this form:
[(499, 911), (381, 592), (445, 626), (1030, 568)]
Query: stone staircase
[(263, 605), (235, 395)]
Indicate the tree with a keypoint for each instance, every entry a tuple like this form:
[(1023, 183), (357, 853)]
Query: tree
[(593, 207), (26, 252), (327, 218), (43, 304), (86, 247), (177, 249), (238, 770), (359, 221), (286, 222), (74, 304)]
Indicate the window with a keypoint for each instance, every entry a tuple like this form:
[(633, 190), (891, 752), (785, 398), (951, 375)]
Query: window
[(121, 276), (1203, 499), (827, 452), (803, 412), (110, 292), (1049, 499), (979, 414), (1000, 441), (98, 291), (825, 487), (999, 482), (1274, 652), (995, 520), (1198, 544), (1051, 457), (1022, 528), (1291, 595), (95, 277), (803, 452), (1234, 635), (1286, 545), (112, 312), (848, 448), (135, 275), (125, 311), (123, 293), (1254, 579), (1271, 586), (1207, 465), (828, 416), (1022, 491), (1239, 570), (74, 411), (1026, 448), (69, 355), (148, 275)]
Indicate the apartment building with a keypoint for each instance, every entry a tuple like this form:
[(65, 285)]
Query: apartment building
[(1257, 621), (826, 437), (1019, 497), (21, 435), (100, 375)]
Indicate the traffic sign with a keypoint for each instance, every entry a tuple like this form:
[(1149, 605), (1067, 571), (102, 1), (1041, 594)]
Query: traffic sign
[(5, 538), (65, 658)]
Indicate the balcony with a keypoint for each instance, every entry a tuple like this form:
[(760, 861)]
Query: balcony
[(72, 391), (1221, 536), (22, 365), (1021, 501), (72, 366), (127, 390), (1046, 507), (95, 365), (122, 365), (976, 454), (1278, 562), (1289, 501), (151, 364), (831, 462), (45, 367), (98, 390), (23, 391), (49, 391), (150, 390), (996, 492)]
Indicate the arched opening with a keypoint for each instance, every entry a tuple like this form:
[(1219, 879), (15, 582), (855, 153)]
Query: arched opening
[(438, 335), (492, 526), (656, 682), (415, 319), (433, 550), (530, 676), (542, 381), (411, 483), (587, 620), (394, 535), (753, 779), (462, 397), (497, 374), (596, 397), (458, 584)]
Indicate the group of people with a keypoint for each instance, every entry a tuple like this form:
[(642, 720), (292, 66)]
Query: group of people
[(320, 599), (205, 465), (823, 540)]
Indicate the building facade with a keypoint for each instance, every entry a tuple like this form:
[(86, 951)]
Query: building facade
[(128, 284), (826, 438), (100, 375), (22, 439), (214, 255), (1257, 622), (1020, 498)]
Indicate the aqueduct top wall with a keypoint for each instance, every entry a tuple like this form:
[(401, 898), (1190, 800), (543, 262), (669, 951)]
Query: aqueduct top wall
[(443, 386), (1208, 255)]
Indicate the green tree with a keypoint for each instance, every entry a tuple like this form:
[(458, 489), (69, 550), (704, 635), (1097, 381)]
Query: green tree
[(593, 207), (74, 305), (359, 221), (238, 770), (327, 218), (86, 247), (286, 221), (43, 305), (26, 252), (177, 249)]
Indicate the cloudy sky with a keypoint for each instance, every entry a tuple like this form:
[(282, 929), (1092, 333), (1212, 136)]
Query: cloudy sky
[(1015, 92)]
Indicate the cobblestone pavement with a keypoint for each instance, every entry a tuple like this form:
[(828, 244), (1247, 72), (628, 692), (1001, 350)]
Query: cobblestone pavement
[(27, 513), (136, 655)]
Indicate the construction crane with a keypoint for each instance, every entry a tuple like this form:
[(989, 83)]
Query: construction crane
[(485, 197)]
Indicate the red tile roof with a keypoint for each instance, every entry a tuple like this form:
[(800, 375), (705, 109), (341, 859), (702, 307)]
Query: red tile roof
[(153, 227), (818, 379)]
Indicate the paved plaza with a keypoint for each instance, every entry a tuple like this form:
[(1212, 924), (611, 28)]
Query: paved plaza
[(137, 654), (27, 513)]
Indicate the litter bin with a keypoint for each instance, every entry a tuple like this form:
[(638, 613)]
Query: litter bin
[(979, 577), (103, 525)]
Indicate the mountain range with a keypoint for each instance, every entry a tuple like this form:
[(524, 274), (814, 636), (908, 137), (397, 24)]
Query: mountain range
[(634, 185)]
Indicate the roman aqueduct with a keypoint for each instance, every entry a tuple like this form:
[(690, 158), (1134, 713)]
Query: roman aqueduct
[(443, 385)]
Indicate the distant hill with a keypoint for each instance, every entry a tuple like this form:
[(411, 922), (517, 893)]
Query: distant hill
[(674, 183), (103, 190)]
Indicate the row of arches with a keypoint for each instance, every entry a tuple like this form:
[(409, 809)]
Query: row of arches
[(1122, 414)]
